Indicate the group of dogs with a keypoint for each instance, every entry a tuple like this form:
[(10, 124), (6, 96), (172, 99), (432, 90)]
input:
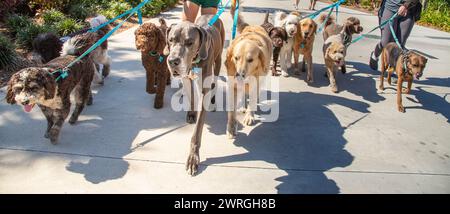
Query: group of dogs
[(188, 51)]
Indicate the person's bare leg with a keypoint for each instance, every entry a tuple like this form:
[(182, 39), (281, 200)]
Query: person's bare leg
[(190, 11), (296, 4), (209, 11)]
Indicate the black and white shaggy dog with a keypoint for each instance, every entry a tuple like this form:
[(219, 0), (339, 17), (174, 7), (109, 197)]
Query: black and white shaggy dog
[(40, 86), (48, 46)]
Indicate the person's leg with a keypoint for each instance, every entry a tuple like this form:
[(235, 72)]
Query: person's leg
[(190, 11), (209, 7), (404, 29), (386, 37)]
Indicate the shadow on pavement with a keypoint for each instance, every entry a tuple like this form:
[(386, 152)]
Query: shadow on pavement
[(305, 146)]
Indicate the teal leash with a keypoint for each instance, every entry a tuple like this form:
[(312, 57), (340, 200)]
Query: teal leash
[(218, 14), (235, 21), (64, 72), (379, 26)]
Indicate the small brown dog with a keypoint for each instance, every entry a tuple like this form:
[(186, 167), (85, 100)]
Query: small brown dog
[(151, 41), (278, 35), (47, 88), (408, 65)]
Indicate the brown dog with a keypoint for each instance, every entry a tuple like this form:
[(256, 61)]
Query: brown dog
[(407, 65), (151, 40), (42, 86), (303, 44), (278, 35)]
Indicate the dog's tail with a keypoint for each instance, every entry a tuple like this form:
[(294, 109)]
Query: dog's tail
[(331, 20), (79, 44), (162, 22), (266, 18), (241, 24), (279, 19)]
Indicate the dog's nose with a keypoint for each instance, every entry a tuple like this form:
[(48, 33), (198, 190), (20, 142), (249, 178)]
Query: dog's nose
[(26, 102), (174, 62), (240, 75), (292, 32)]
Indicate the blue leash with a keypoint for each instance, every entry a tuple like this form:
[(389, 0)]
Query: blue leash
[(218, 14), (235, 21), (326, 20), (379, 26), (64, 71), (315, 14)]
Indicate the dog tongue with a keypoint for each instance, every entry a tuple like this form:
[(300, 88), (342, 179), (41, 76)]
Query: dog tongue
[(28, 108)]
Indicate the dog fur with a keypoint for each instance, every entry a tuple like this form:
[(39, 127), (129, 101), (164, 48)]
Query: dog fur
[(352, 26), (196, 45), (151, 41), (290, 23), (303, 44), (334, 52), (392, 60), (46, 46), (278, 36), (247, 57), (37, 85)]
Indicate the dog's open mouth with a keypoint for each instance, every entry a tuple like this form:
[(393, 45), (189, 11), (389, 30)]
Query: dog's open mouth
[(28, 107), (417, 75), (339, 62)]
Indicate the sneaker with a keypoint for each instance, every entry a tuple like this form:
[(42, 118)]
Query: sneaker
[(373, 63), (394, 78)]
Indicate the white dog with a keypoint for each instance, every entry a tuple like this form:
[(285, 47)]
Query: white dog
[(289, 22)]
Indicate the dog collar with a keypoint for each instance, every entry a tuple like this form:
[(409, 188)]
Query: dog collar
[(302, 45), (405, 61), (156, 54)]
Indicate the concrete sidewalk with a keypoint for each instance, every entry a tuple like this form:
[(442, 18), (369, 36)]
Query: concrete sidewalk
[(351, 142)]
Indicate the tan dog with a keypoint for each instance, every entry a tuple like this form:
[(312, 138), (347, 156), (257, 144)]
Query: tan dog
[(407, 69), (248, 58), (303, 44), (334, 56)]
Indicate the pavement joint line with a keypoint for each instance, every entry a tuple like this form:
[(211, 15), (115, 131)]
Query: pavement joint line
[(227, 166)]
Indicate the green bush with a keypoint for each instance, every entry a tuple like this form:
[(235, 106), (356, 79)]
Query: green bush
[(437, 13), (16, 22), (80, 11), (68, 26), (53, 16), (25, 36), (7, 51)]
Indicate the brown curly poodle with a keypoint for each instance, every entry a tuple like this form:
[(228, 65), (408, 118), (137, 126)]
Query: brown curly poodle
[(151, 40)]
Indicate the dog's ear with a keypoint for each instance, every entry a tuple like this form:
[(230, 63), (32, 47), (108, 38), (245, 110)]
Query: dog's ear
[(167, 47), (160, 48), (262, 61), (48, 81), (9, 91), (205, 43), (314, 27), (229, 64)]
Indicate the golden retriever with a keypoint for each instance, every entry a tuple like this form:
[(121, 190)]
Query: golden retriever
[(247, 59)]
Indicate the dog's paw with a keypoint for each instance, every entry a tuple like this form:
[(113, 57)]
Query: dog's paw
[(90, 101), (191, 117), (151, 90), (72, 120), (192, 164), (47, 135), (334, 89), (309, 79), (231, 131), (212, 107), (249, 120), (405, 91), (401, 109), (158, 105)]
